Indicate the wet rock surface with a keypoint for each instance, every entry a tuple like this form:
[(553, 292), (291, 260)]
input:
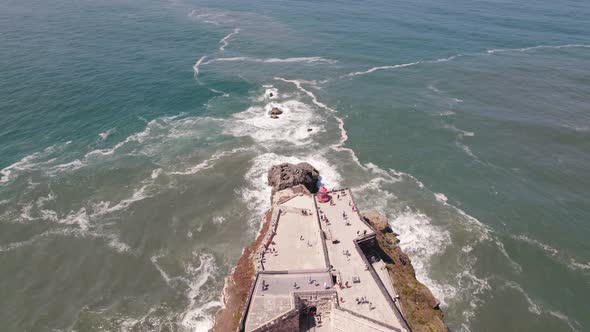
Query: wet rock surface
[(287, 175)]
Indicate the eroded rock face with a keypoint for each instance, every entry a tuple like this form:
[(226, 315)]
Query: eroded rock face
[(421, 309), (287, 175), (378, 221)]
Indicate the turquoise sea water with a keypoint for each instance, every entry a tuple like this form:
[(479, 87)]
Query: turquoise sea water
[(135, 143)]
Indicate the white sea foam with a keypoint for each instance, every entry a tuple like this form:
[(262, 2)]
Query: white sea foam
[(196, 66), (514, 264), (490, 51), (538, 309), (209, 163), (223, 94), (462, 133), (35, 239), (104, 135), (270, 93), (25, 213), (313, 59), (225, 41), (532, 48), (79, 218), (466, 149), (103, 207), (579, 266), (572, 323), (218, 220), (398, 66), (343, 134), (441, 197), (198, 315), (545, 247), (292, 125), (27, 163), (422, 241), (154, 259), (156, 173), (533, 307), (374, 69), (71, 166)]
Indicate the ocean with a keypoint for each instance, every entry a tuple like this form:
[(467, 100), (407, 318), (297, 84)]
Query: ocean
[(135, 142)]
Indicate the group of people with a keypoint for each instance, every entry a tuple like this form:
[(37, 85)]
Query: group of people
[(305, 212), (364, 300)]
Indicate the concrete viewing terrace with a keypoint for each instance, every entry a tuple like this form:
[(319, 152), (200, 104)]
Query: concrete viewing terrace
[(311, 260)]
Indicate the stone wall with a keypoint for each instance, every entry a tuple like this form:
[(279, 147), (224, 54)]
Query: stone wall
[(288, 322)]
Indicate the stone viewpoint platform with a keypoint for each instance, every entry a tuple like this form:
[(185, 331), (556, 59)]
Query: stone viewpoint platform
[(313, 274)]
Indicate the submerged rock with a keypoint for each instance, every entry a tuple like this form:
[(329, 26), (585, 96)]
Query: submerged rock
[(287, 175), (273, 116)]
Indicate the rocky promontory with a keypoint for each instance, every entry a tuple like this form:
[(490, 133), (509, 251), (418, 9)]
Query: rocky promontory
[(287, 175), (420, 309)]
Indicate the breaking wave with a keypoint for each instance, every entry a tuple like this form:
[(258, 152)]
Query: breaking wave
[(487, 52), (313, 59), (225, 41)]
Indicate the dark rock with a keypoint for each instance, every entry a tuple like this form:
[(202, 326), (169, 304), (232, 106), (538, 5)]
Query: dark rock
[(287, 175), (275, 111), (309, 129), (274, 116)]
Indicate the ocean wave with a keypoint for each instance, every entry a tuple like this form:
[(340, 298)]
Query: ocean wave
[(198, 315), (196, 66), (35, 239), (343, 133), (292, 126), (403, 65), (517, 267), (490, 51), (209, 163), (218, 220), (545, 247), (423, 240), (225, 40), (314, 59), (441, 197), (553, 253), (209, 18), (466, 149), (572, 323), (532, 48), (575, 265), (532, 306), (31, 162), (104, 135), (112, 240)]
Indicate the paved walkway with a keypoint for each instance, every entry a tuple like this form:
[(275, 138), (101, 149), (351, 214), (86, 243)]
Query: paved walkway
[(298, 243), (349, 264)]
